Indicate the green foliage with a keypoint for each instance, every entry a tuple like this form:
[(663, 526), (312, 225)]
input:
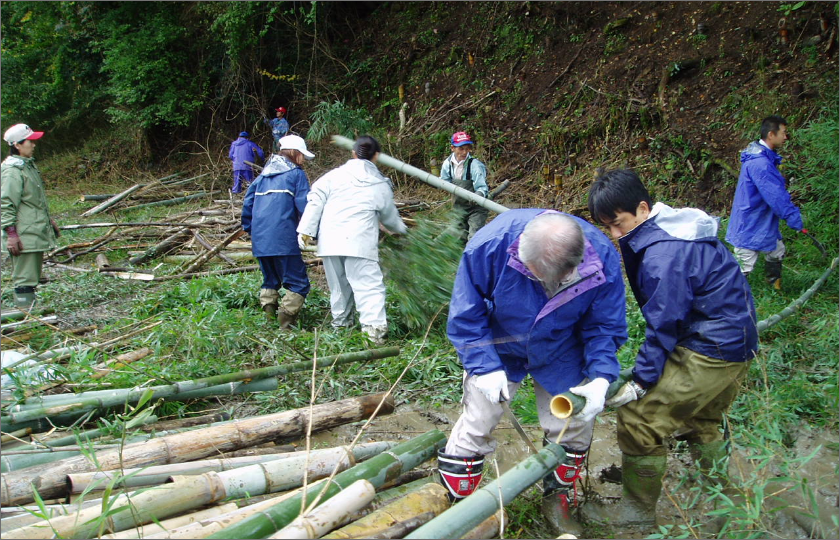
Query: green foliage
[(789, 7), (338, 118)]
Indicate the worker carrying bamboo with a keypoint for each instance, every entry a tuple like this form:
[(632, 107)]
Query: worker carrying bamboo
[(700, 334), (343, 213), (537, 293), (761, 200), (279, 126), (242, 151), (465, 171), (271, 211), (28, 229)]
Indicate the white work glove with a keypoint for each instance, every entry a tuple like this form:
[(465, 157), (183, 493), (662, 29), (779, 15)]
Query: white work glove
[(595, 391), (493, 385), (629, 391), (304, 240)]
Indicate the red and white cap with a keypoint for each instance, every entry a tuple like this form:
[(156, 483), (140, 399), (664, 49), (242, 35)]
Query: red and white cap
[(461, 138), (281, 109), (21, 132)]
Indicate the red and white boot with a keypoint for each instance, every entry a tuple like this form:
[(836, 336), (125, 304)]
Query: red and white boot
[(460, 475)]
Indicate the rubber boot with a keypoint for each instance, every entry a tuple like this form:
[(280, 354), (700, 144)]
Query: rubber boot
[(560, 495), (460, 475), (641, 478), (773, 273), (268, 302), (712, 458), (375, 333), (25, 298), (289, 309)]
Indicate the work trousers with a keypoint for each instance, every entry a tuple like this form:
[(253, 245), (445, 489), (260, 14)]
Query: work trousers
[(288, 271), (242, 179), (747, 257), (471, 434), (690, 398), (355, 283), (26, 268), (469, 219)]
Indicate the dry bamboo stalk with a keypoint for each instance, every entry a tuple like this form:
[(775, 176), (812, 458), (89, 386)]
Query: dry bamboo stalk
[(181, 423), (126, 224), (333, 513), (8, 524), (204, 257), (489, 528), (230, 257), (169, 202), (15, 487), (14, 435), (158, 249), (222, 272), (431, 497), (102, 262), (112, 201), (200, 239), (172, 523), (206, 527), (119, 361)]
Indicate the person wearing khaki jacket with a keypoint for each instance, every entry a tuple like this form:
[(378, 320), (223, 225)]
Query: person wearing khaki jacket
[(27, 229)]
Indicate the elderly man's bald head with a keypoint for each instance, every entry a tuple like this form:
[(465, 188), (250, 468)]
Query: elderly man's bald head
[(551, 246)]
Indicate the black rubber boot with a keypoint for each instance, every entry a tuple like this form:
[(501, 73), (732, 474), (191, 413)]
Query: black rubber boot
[(460, 475), (773, 273), (25, 298)]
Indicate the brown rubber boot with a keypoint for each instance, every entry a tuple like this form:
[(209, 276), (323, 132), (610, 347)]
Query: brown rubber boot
[(560, 494), (270, 312), (268, 302), (641, 479), (289, 309)]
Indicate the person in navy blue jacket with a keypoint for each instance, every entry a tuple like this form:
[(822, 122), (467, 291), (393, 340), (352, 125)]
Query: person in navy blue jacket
[(242, 150), (271, 212), (761, 200), (700, 335), (537, 293)]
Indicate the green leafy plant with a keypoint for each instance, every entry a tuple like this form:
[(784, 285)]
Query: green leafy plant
[(338, 118)]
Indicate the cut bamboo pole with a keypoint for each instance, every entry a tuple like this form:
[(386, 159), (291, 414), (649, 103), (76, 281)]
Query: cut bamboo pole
[(152, 476), (143, 531), (8, 524), (769, 322), (131, 224), (230, 257), (204, 257), (490, 527), (112, 201), (430, 497), (190, 492), (119, 361), (193, 421), (207, 245), (333, 513), (17, 315), (9, 437), (378, 470), (226, 271), (170, 202), (16, 488), (163, 247), (107, 398)]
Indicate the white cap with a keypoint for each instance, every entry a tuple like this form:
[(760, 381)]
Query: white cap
[(20, 132), (293, 142)]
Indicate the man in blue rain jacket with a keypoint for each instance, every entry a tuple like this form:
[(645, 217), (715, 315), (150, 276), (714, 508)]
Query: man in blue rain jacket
[(537, 293), (242, 150), (761, 200)]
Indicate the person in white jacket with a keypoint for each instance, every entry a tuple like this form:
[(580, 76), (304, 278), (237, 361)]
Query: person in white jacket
[(343, 211)]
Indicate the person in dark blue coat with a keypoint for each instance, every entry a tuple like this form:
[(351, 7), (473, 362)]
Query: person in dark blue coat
[(761, 200), (271, 212), (700, 335), (537, 293), (242, 150)]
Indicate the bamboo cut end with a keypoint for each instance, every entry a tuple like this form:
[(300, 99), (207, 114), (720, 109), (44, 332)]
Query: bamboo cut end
[(561, 407)]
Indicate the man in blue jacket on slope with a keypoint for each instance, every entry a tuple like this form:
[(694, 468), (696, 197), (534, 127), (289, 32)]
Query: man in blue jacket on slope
[(537, 293), (242, 150), (761, 199), (699, 337)]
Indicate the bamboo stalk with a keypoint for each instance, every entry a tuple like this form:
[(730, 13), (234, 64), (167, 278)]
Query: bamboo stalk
[(430, 497), (112, 201), (119, 361), (9, 437), (18, 315), (131, 224), (166, 245), (180, 423), (223, 272), (150, 476), (378, 470), (207, 245), (170, 202), (333, 513), (769, 322), (489, 528), (8, 524), (204, 257), (190, 492), (15, 488), (143, 531), (230, 257)]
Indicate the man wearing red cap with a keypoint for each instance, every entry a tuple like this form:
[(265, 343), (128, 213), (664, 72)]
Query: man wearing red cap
[(279, 126), (467, 172), (28, 230)]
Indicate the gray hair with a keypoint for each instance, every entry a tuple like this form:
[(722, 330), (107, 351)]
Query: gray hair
[(552, 246)]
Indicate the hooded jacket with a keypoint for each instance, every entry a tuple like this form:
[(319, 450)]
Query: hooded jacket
[(761, 199), (346, 206), (477, 182), (500, 317), (273, 206), (690, 290), (23, 204), (242, 150)]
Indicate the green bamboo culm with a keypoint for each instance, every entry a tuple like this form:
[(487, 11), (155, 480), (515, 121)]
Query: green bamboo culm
[(378, 470), (74, 405)]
